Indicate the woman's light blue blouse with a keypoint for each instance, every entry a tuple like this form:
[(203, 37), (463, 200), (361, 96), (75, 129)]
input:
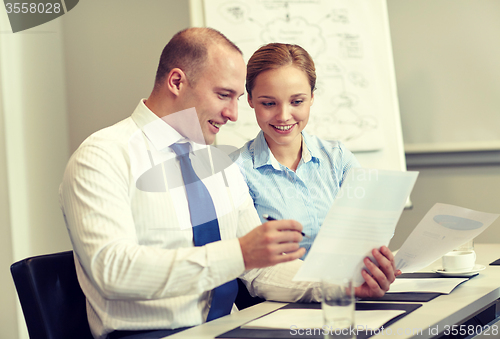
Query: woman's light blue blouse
[(305, 195)]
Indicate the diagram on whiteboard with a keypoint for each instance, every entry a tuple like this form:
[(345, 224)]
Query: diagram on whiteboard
[(338, 36)]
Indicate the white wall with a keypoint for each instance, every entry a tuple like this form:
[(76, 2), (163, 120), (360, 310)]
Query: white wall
[(8, 316), (446, 56), (112, 51), (33, 150)]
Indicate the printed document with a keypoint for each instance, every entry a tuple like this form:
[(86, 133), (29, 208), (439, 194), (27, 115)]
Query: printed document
[(362, 217), (430, 285), (442, 229)]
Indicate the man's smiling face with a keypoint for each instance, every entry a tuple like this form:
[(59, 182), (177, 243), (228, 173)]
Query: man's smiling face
[(215, 94)]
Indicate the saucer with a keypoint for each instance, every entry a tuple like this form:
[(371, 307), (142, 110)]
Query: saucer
[(474, 270)]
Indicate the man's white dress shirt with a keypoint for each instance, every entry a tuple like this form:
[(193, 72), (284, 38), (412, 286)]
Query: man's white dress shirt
[(128, 219)]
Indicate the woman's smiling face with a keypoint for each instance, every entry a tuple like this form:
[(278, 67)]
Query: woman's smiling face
[(282, 99)]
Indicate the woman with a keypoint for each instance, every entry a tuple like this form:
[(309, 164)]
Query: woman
[(290, 174)]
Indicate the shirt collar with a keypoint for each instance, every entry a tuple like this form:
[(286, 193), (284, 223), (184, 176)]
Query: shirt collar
[(264, 156), (309, 148), (158, 132)]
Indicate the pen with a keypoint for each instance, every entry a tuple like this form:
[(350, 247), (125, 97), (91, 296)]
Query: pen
[(269, 218)]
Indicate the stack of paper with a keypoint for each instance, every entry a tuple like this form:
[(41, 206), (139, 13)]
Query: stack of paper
[(313, 318), (431, 285)]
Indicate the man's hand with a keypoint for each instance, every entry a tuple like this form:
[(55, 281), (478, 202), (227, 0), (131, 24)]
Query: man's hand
[(382, 276), (272, 243)]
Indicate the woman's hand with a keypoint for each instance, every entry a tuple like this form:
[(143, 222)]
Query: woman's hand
[(381, 277)]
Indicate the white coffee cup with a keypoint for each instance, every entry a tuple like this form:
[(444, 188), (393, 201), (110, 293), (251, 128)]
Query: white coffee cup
[(459, 261)]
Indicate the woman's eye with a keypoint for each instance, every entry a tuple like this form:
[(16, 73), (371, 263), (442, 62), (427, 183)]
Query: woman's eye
[(297, 102), (267, 104), (223, 96)]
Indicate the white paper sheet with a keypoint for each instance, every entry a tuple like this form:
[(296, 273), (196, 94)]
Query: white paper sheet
[(431, 285), (362, 217), (313, 318), (442, 229)]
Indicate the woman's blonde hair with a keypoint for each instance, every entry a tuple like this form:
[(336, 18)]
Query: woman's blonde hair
[(275, 55)]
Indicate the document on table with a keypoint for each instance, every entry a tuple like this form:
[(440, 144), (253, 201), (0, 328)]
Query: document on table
[(442, 229), (313, 318), (362, 217), (431, 285)]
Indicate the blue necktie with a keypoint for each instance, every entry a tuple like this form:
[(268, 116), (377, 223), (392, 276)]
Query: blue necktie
[(205, 228)]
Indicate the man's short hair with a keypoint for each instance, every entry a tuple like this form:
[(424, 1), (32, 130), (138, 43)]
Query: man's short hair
[(188, 50)]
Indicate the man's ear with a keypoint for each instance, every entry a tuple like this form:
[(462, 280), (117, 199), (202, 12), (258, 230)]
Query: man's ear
[(175, 80), (249, 99), (312, 98)]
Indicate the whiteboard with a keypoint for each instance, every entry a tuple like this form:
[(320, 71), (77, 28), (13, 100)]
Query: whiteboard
[(349, 40)]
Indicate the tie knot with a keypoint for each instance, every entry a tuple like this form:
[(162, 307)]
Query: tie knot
[(180, 149)]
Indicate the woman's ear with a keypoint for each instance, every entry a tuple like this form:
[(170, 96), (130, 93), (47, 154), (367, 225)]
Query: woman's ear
[(312, 98), (175, 80), (249, 99)]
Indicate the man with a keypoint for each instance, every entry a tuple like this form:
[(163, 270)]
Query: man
[(137, 245)]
